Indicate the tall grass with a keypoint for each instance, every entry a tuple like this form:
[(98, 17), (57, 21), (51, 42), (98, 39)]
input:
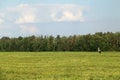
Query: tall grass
[(59, 66), (2, 74)]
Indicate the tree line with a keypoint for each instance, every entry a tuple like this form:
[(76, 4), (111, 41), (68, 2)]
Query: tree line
[(106, 41)]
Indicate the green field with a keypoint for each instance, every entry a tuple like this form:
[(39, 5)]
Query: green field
[(59, 66)]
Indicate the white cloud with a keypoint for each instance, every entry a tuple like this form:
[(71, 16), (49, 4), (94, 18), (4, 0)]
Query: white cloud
[(28, 29), (1, 18), (2, 15), (1, 21), (26, 18), (23, 5), (21, 17), (25, 13), (68, 16), (68, 12)]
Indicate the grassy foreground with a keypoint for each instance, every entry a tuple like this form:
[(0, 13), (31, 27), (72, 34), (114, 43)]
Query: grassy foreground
[(59, 66)]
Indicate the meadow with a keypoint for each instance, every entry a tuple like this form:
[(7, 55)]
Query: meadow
[(59, 66)]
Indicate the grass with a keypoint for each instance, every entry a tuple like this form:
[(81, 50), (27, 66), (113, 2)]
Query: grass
[(59, 66)]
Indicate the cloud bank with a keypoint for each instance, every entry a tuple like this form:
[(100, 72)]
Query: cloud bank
[(23, 15)]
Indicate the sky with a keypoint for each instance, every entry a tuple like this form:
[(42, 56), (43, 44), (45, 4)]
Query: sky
[(58, 17)]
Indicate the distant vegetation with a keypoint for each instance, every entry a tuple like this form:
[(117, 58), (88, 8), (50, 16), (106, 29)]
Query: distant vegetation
[(106, 41)]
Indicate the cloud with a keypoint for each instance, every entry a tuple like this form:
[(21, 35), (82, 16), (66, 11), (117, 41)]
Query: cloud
[(21, 17), (27, 14), (67, 12), (43, 13), (28, 29), (2, 15), (67, 16), (1, 18), (26, 18), (1, 21)]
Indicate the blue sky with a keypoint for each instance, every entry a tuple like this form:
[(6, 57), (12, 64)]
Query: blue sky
[(58, 17)]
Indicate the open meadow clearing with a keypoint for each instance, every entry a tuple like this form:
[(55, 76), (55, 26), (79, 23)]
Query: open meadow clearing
[(59, 66)]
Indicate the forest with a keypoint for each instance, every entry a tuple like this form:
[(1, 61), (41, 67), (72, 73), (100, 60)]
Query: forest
[(107, 41)]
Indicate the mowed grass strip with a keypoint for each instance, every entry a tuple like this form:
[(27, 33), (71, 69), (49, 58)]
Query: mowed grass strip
[(59, 66)]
